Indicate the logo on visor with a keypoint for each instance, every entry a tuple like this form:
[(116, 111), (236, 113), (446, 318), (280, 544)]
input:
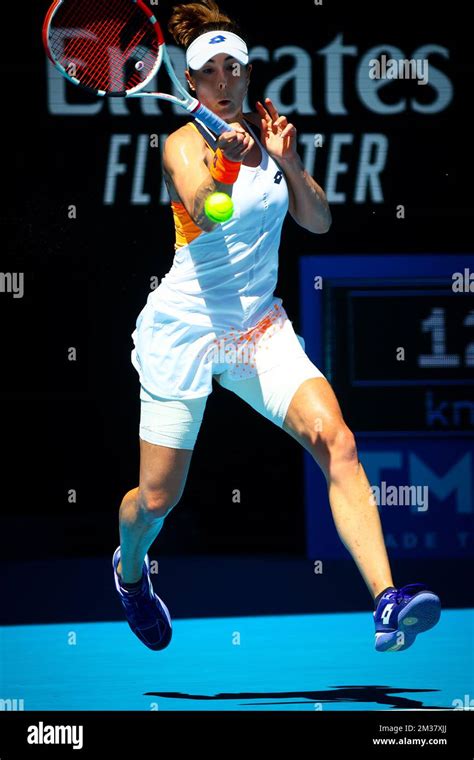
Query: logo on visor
[(217, 38)]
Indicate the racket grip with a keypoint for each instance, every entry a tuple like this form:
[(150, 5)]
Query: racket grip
[(210, 119)]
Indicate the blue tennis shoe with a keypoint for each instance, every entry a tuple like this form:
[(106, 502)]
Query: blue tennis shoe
[(401, 614), (146, 613)]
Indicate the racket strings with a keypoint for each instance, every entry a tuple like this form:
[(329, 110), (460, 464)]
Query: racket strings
[(104, 51), (104, 64), (69, 26)]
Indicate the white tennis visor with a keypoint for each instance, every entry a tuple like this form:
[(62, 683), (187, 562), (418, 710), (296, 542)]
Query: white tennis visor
[(209, 44)]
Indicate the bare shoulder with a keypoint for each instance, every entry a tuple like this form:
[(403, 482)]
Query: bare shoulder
[(185, 135), (186, 132), (189, 135)]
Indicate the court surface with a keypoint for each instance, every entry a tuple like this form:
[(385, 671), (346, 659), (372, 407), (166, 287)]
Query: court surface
[(294, 662)]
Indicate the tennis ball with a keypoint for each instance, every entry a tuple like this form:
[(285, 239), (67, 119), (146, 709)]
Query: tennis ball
[(219, 207)]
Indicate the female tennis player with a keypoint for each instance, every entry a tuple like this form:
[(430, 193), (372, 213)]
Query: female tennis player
[(215, 316)]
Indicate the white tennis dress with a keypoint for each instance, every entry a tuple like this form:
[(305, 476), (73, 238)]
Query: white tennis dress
[(216, 307)]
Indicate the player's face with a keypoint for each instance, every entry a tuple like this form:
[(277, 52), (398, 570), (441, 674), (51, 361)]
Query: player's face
[(221, 85)]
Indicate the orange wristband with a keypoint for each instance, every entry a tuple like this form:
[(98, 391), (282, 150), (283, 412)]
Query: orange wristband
[(223, 170)]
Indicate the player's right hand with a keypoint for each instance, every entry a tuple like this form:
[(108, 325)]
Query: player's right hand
[(236, 143)]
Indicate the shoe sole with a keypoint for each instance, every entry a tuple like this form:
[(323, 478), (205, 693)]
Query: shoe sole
[(419, 615)]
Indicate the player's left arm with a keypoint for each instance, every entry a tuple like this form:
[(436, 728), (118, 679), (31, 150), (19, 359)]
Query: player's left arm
[(308, 204)]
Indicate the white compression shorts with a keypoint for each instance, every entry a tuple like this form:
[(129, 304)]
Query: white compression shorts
[(176, 423)]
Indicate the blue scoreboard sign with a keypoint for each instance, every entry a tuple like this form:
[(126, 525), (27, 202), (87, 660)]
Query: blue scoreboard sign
[(394, 335)]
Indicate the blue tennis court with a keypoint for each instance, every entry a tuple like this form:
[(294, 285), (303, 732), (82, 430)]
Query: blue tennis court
[(286, 662)]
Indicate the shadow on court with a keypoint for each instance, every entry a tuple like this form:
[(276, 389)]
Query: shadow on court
[(382, 695)]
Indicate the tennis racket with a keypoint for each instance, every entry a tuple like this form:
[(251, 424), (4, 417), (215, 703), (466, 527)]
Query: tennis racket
[(115, 48)]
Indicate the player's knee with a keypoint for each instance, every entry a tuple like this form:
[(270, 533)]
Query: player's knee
[(333, 447), (342, 450), (156, 504)]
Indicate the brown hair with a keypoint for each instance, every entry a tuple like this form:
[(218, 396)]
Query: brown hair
[(190, 20)]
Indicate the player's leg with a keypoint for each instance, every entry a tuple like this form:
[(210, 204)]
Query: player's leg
[(315, 420), (294, 394), (305, 407), (163, 474), (168, 433)]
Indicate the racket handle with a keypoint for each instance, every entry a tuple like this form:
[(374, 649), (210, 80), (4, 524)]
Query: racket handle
[(210, 119)]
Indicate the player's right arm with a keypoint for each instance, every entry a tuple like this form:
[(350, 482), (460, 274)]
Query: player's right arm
[(184, 160)]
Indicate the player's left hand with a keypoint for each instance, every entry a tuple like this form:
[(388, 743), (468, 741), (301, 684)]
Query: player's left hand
[(278, 136)]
